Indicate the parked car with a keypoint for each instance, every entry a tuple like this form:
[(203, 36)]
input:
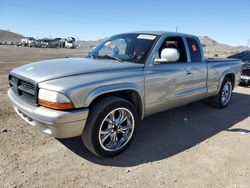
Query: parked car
[(104, 95), (10, 43), (37, 44), (44, 43), (27, 42), (18, 44), (70, 42), (245, 74), (55, 43)]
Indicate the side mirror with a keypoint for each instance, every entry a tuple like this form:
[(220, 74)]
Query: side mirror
[(168, 55)]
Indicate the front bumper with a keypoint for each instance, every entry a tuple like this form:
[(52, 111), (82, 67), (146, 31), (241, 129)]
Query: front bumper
[(60, 124)]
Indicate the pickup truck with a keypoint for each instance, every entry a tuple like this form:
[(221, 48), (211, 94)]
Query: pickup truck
[(103, 96)]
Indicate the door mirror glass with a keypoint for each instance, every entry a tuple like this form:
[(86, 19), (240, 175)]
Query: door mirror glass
[(168, 55)]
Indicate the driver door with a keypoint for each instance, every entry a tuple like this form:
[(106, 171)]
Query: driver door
[(168, 84)]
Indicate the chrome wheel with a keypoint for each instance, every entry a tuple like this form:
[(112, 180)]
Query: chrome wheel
[(116, 129), (226, 93)]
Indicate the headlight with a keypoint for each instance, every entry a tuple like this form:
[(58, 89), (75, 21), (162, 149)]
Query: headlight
[(55, 100)]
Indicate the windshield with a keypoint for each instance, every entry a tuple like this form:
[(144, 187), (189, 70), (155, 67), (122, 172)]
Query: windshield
[(125, 47)]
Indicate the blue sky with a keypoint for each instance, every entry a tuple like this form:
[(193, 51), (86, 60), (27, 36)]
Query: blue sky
[(226, 21)]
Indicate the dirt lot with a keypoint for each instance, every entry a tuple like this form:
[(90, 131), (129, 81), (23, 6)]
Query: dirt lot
[(190, 146)]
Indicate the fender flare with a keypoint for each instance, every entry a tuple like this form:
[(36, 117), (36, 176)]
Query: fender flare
[(114, 88), (222, 78)]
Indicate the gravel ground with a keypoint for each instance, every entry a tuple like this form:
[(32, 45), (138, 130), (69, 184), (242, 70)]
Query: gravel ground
[(190, 146)]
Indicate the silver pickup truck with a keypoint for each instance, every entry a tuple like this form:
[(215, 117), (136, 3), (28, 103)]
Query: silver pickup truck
[(102, 96)]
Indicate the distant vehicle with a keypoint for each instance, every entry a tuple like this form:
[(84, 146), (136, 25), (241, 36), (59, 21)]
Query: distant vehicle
[(18, 44), (27, 42), (45, 42), (245, 74), (125, 78), (36, 44), (4, 43), (62, 42), (70, 42), (50, 43), (7, 43), (55, 43)]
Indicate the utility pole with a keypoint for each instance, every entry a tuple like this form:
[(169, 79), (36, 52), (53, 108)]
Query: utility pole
[(248, 44), (176, 29)]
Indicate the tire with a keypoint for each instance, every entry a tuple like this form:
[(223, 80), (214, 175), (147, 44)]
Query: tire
[(104, 137), (222, 99)]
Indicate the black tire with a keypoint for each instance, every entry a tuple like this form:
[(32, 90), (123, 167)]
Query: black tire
[(98, 112), (217, 101)]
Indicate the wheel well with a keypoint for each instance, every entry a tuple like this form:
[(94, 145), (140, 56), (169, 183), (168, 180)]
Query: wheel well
[(231, 77), (129, 95)]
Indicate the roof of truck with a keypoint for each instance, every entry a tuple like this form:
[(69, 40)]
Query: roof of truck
[(162, 33)]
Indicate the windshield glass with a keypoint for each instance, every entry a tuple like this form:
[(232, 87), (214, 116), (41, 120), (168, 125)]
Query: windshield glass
[(125, 47)]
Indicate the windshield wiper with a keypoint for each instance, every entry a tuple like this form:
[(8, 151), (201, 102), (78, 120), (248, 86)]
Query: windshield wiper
[(91, 55), (110, 57)]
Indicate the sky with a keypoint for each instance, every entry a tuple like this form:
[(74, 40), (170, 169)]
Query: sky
[(226, 21)]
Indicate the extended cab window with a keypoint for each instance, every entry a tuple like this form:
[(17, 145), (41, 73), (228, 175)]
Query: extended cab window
[(177, 43), (194, 49)]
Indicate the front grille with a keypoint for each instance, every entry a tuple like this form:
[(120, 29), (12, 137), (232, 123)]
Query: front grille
[(246, 72), (24, 89)]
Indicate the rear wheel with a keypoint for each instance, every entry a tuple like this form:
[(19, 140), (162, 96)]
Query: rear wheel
[(222, 99), (110, 126)]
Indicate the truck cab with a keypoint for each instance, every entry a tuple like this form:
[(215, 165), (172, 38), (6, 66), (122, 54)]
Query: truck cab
[(184, 79)]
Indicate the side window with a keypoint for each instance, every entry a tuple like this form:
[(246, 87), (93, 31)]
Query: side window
[(177, 43), (194, 50)]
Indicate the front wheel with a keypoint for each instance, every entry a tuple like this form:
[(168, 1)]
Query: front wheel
[(222, 99), (110, 126)]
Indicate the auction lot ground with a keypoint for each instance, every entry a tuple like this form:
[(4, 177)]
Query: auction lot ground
[(191, 146)]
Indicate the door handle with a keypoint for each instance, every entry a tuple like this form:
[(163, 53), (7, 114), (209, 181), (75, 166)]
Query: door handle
[(188, 71)]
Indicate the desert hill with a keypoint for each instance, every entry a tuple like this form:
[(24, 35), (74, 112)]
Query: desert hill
[(10, 36), (213, 47)]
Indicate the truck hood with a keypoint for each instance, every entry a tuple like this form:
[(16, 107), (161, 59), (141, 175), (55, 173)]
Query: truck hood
[(56, 68)]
